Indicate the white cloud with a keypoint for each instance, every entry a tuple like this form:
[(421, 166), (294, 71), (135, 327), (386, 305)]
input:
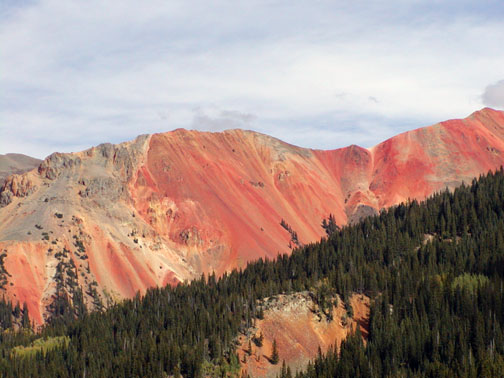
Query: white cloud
[(218, 120), (494, 95), (319, 74)]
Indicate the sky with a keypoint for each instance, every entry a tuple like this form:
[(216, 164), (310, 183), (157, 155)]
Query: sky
[(318, 74)]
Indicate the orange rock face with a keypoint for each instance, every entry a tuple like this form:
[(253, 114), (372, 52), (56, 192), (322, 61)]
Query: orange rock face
[(168, 207), (299, 330)]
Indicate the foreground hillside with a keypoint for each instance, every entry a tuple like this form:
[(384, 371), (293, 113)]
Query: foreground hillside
[(102, 224), (433, 272)]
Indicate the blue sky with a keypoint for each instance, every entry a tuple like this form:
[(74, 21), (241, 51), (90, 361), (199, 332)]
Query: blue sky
[(320, 74)]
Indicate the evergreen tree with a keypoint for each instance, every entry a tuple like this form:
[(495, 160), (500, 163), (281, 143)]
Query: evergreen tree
[(275, 358)]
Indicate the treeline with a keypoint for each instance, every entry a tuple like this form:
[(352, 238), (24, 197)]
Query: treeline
[(434, 271)]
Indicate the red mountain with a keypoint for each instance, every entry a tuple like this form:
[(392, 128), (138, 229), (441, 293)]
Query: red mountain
[(163, 208)]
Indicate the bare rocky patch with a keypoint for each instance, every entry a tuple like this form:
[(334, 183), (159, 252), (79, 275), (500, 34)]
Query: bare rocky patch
[(299, 327)]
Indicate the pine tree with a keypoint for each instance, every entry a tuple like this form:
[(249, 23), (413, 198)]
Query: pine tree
[(275, 358), (259, 340), (283, 372), (26, 318), (260, 313)]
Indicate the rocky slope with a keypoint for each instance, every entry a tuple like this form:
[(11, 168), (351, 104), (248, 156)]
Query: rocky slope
[(299, 329), (163, 208), (16, 163)]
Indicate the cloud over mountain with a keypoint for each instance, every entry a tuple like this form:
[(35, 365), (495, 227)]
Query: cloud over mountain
[(494, 95), (75, 74)]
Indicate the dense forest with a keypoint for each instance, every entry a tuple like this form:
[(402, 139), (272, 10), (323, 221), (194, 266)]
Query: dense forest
[(434, 271)]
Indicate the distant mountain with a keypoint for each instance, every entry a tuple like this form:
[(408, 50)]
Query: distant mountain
[(16, 163), (167, 207)]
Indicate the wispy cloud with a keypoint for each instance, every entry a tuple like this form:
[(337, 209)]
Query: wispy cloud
[(318, 74), (215, 120), (494, 95)]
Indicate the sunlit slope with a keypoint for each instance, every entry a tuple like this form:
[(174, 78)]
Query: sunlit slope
[(167, 207)]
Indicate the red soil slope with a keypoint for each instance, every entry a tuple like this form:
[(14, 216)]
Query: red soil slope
[(168, 207), (299, 331)]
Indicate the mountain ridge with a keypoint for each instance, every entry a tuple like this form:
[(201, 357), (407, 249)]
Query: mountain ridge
[(168, 207)]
